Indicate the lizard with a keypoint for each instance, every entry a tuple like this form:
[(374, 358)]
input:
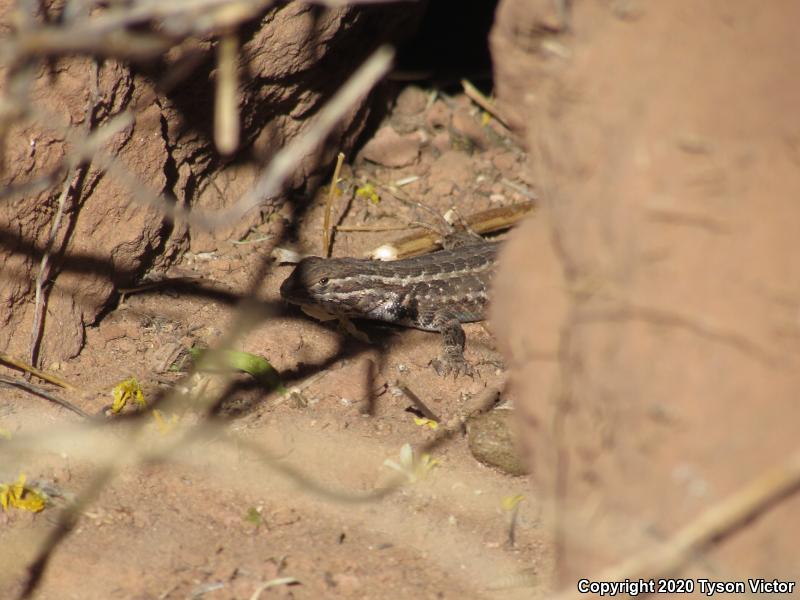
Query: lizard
[(433, 292)]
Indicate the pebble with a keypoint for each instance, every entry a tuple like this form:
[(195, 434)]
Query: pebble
[(493, 441), (465, 123), (438, 116), (411, 101), (390, 149)]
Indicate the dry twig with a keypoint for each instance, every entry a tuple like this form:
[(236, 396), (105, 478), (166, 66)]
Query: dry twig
[(34, 389), (485, 221), (10, 360), (478, 98), (326, 225), (40, 304)]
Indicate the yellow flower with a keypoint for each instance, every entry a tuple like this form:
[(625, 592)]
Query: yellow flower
[(510, 502), (163, 425), (125, 391), (426, 422), (368, 191), (414, 470), (18, 495)]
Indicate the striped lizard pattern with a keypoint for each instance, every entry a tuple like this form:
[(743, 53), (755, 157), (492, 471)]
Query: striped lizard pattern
[(432, 292)]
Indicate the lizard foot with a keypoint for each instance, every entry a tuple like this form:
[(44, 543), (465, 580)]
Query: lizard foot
[(452, 363)]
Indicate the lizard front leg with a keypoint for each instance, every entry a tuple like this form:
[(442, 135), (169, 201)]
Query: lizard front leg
[(452, 358)]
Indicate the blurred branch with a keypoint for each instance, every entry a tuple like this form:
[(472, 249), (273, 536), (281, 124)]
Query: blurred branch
[(59, 41), (271, 181), (226, 109), (105, 34), (715, 523)]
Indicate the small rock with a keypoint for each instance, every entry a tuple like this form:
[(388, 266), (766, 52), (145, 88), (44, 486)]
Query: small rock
[(441, 142), (224, 266), (504, 161), (125, 346), (132, 330), (465, 123), (390, 149), (451, 169), (162, 358), (438, 115), (112, 331), (411, 101), (346, 582), (440, 189), (283, 516), (493, 441)]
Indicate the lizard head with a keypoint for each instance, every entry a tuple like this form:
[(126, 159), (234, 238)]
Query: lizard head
[(319, 281), (336, 285), (307, 283)]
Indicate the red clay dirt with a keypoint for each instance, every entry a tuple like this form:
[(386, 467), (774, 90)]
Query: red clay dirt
[(650, 315), (218, 521)]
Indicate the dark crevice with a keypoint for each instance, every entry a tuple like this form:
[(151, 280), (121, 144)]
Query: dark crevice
[(450, 45)]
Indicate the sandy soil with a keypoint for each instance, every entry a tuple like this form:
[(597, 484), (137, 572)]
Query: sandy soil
[(218, 521), (648, 315)]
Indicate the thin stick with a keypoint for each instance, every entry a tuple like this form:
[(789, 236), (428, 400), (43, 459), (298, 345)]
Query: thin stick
[(34, 389), (40, 306), (226, 109), (512, 526), (149, 285), (478, 98), (264, 238), (522, 189), (365, 228), (326, 225), (417, 401), (10, 360), (720, 520)]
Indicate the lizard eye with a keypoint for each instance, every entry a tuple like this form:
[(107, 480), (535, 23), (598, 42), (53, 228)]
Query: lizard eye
[(323, 281)]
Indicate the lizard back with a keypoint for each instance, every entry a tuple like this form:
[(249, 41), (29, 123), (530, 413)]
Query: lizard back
[(407, 292)]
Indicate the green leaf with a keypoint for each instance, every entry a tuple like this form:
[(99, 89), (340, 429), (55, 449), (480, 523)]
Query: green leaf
[(256, 366)]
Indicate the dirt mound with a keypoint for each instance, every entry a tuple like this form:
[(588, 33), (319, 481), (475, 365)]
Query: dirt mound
[(153, 122), (651, 315)]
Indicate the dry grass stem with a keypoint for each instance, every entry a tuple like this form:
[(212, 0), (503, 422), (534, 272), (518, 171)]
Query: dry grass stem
[(371, 228), (478, 98), (40, 304), (326, 225), (10, 360), (485, 221)]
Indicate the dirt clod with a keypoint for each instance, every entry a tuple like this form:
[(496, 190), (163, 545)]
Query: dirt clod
[(493, 440), (390, 149)]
